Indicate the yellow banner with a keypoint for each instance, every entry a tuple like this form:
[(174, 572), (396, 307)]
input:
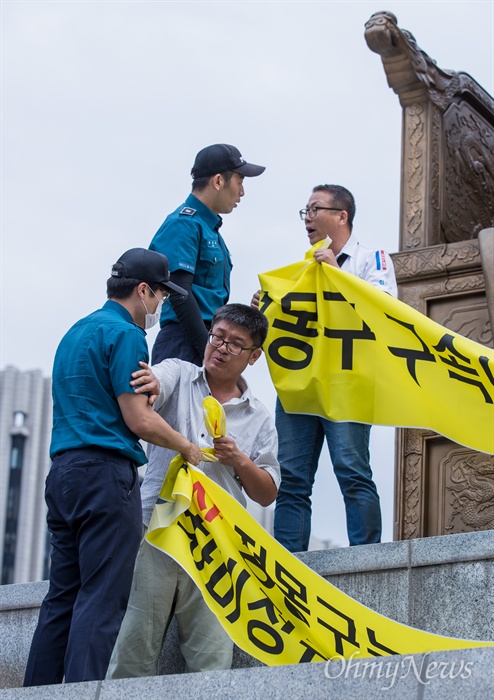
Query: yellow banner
[(342, 349), (271, 604)]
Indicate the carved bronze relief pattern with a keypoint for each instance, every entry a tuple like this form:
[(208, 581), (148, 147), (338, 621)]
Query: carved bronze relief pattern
[(470, 321), (463, 284), (414, 176), (447, 198), (469, 483), (469, 85), (468, 183), (418, 295), (465, 253), (413, 296), (436, 259), (433, 233), (410, 71), (418, 262), (412, 440)]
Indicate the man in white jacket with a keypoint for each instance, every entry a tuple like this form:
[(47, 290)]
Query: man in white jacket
[(329, 214)]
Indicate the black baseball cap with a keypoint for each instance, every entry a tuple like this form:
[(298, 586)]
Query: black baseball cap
[(221, 157), (147, 266)]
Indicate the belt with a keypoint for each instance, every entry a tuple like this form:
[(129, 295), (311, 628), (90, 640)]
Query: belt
[(94, 449)]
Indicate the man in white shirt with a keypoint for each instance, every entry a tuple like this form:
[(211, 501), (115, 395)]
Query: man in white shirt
[(329, 213), (247, 463)]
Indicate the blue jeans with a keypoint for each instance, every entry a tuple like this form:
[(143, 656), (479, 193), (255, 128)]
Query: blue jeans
[(301, 438)]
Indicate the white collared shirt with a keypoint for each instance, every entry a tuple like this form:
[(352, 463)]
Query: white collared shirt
[(373, 266), (248, 422)]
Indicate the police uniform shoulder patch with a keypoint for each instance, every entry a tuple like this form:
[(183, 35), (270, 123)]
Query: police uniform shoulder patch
[(187, 211)]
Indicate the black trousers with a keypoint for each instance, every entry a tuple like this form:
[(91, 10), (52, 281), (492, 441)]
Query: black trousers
[(94, 517)]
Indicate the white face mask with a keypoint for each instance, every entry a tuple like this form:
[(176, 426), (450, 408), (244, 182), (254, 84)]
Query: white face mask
[(152, 319)]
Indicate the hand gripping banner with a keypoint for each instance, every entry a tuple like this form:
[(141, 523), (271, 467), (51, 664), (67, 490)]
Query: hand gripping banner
[(271, 604), (342, 349)]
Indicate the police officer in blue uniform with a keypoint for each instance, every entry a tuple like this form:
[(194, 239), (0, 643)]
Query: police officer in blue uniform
[(92, 489), (198, 258)]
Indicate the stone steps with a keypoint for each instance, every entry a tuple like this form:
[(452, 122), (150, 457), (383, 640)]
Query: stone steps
[(439, 584), (465, 674)]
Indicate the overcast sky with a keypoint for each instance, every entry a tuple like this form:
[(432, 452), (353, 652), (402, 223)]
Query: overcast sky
[(105, 104)]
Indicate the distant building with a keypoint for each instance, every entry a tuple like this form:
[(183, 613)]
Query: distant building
[(25, 431)]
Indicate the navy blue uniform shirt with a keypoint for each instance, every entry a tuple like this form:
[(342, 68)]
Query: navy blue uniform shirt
[(93, 366), (190, 239)]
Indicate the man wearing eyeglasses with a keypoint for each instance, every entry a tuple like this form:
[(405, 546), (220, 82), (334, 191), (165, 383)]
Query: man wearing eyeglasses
[(329, 214), (247, 465), (197, 254)]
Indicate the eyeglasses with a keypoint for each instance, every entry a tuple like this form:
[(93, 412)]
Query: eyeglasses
[(232, 348), (166, 294), (312, 211)]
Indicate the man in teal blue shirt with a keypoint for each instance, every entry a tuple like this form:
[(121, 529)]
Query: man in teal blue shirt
[(92, 489), (198, 258)]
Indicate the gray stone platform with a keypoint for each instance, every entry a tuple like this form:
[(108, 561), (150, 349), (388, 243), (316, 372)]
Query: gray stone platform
[(439, 584), (452, 675)]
